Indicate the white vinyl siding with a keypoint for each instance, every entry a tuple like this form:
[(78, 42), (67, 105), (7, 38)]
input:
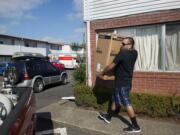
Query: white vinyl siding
[(102, 9)]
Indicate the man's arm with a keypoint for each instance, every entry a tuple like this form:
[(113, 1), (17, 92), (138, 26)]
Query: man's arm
[(108, 68)]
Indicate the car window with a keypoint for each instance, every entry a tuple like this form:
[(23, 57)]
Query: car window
[(19, 66), (50, 67), (37, 66)]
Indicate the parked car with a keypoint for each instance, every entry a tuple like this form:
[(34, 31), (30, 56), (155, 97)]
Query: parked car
[(3, 67), (17, 115), (32, 71), (58, 65)]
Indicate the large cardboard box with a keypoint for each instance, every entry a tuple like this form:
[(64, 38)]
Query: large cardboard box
[(108, 46)]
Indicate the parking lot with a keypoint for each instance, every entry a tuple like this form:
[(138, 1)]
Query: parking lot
[(53, 94)]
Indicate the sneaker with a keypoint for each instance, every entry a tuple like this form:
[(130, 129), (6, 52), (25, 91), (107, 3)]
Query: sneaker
[(132, 129), (105, 117)]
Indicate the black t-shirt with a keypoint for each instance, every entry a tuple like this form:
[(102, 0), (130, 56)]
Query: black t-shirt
[(125, 61)]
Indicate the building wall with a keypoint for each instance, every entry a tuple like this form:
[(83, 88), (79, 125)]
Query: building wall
[(102, 9), (19, 42), (43, 45), (165, 83), (9, 50), (66, 49), (6, 40), (10, 45)]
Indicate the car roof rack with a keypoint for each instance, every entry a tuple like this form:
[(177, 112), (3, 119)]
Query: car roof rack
[(26, 55)]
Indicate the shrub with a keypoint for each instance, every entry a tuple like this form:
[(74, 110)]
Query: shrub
[(80, 74), (84, 95), (153, 105)]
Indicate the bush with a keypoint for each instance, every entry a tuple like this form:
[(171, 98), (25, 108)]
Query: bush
[(80, 74), (84, 95), (153, 105)]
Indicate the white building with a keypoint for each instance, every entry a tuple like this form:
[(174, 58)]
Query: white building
[(11, 44), (66, 48)]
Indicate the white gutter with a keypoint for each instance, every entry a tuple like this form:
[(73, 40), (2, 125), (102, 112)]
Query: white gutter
[(89, 73)]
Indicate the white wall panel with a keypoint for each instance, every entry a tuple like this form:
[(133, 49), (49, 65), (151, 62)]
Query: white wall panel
[(10, 50), (102, 9)]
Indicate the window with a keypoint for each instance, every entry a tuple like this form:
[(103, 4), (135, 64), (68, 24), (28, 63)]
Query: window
[(1, 42), (172, 47), (26, 44), (158, 46), (12, 41), (54, 47), (147, 43), (29, 43), (60, 47), (50, 67), (5, 58)]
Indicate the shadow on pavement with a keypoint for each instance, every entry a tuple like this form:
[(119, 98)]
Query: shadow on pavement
[(124, 120), (44, 122)]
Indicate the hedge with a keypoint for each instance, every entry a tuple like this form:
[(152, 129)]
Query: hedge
[(152, 105), (80, 74)]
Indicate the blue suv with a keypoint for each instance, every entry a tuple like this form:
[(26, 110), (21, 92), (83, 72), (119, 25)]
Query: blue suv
[(33, 71)]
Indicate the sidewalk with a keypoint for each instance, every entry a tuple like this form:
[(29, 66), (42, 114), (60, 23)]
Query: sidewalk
[(68, 113)]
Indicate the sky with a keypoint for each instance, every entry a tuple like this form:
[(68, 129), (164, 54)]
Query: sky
[(52, 20)]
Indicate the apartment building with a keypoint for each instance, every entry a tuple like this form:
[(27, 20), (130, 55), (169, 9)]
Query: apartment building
[(155, 27), (11, 44)]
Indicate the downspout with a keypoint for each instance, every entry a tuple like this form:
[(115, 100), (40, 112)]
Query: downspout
[(89, 73)]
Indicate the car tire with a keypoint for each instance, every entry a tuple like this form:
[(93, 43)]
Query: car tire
[(64, 79), (38, 86)]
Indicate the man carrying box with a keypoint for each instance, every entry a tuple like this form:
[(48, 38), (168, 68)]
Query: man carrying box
[(123, 64)]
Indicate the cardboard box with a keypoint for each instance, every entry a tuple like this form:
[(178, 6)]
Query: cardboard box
[(108, 46)]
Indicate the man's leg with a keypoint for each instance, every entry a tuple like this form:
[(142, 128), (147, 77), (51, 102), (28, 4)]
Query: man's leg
[(124, 96), (107, 116), (113, 108), (132, 116), (116, 108)]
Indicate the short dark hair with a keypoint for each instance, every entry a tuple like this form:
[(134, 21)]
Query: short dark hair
[(131, 40)]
